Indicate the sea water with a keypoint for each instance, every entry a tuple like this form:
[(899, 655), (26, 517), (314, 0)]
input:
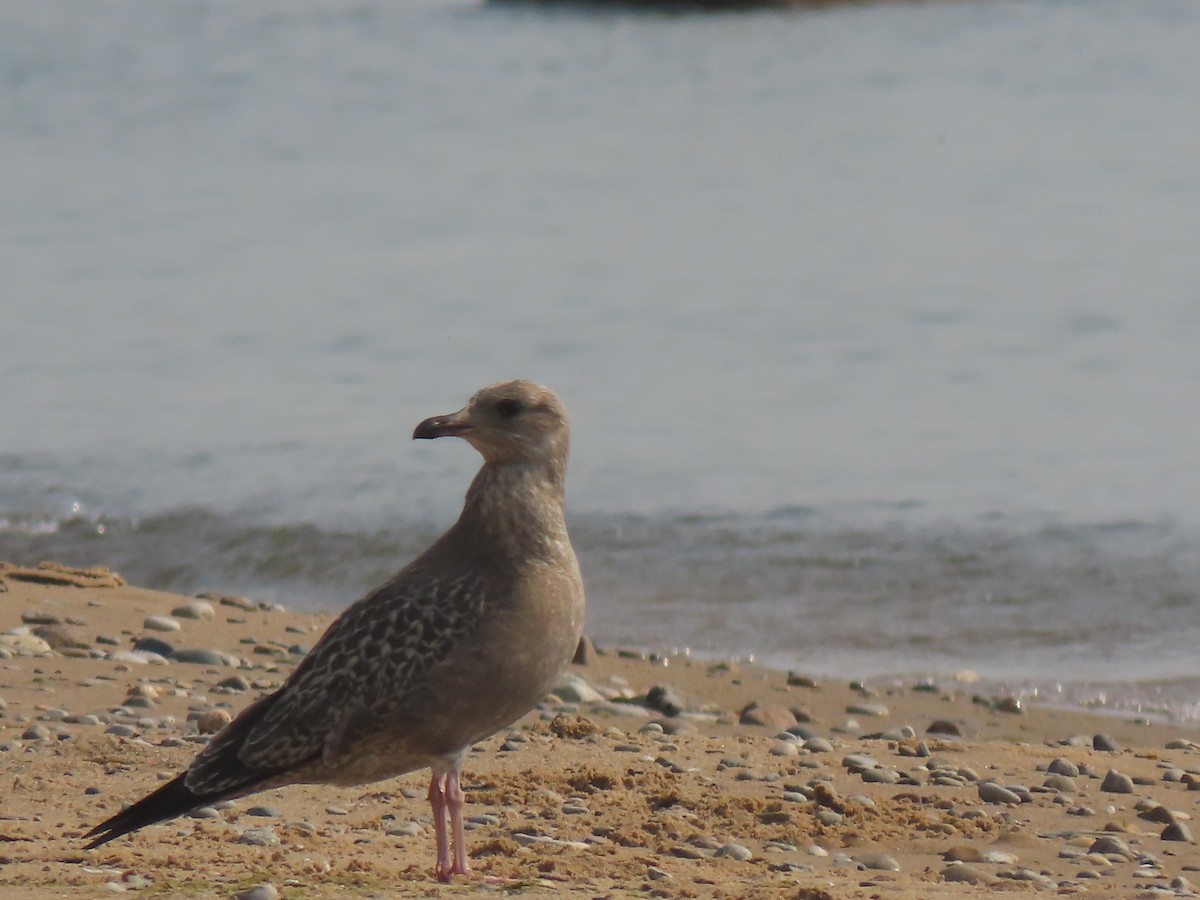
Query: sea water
[(879, 325)]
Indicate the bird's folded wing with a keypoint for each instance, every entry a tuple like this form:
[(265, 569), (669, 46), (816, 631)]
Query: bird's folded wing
[(369, 661)]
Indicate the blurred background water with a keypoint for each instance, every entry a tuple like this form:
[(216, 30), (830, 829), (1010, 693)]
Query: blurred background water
[(879, 325)]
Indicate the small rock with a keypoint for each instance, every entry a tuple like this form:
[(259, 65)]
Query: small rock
[(24, 644), (161, 623), (154, 645), (120, 729), (259, 837), (966, 874), (37, 732), (572, 687), (266, 891), (1060, 766), (200, 657), (266, 812), (236, 683), (780, 718), (1177, 831), (1107, 844), (195, 609), (883, 862), (868, 709), (1116, 783), (1104, 742), (666, 700), (944, 726), (213, 721), (585, 652), (990, 792), (654, 873), (1064, 784), (734, 851)]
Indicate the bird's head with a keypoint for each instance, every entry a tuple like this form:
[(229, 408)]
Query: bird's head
[(514, 421)]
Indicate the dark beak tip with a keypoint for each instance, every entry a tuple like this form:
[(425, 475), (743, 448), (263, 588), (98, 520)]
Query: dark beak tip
[(440, 426)]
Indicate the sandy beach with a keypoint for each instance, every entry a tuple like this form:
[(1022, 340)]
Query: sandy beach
[(643, 775)]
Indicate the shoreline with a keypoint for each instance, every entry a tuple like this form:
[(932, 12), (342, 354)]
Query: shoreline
[(645, 775)]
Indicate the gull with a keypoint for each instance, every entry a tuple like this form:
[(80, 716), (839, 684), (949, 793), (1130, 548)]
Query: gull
[(459, 644)]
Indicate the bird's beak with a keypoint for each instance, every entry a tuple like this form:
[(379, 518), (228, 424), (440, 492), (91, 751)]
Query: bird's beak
[(453, 425)]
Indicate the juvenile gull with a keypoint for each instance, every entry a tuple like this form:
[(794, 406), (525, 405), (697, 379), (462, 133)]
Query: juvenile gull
[(462, 642)]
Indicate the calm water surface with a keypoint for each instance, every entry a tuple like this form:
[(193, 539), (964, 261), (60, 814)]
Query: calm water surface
[(879, 326)]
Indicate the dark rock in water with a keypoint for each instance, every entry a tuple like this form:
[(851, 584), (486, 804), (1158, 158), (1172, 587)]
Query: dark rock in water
[(666, 700), (155, 645)]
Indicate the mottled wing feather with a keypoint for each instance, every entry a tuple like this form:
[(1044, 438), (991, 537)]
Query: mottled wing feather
[(371, 658)]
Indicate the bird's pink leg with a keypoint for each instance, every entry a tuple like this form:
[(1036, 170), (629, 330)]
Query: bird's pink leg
[(437, 801), (454, 800)]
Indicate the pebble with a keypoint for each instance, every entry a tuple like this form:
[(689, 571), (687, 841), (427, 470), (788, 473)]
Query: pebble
[(267, 812), (868, 709), (236, 683), (779, 718), (1104, 742), (966, 874), (195, 609), (161, 623), (1060, 766), (259, 837), (735, 851), (1116, 783), (1107, 844), (121, 730), (40, 617), (37, 732), (1177, 831), (410, 829), (884, 862), (666, 700), (784, 748), (24, 644), (990, 792), (201, 657), (572, 687), (266, 891), (213, 721), (818, 745), (944, 726), (1064, 784)]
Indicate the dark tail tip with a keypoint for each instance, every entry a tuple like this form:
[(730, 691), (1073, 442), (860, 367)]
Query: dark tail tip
[(171, 800)]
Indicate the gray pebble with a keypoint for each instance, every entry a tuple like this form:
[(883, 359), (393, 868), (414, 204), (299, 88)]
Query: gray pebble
[(818, 745), (1064, 784), (1116, 783), (1108, 844), (1062, 766), (966, 874), (204, 812), (259, 837), (868, 709), (154, 645), (734, 851), (1104, 742), (200, 657), (36, 732), (1177, 831), (409, 829), (880, 776), (266, 891), (990, 792), (666, 700), (236, 683), (40, 617), (161, 623), (829, 817), (196, 609), (335, 810), (884, 862), (574, 688), (267, 812), (121, 730)]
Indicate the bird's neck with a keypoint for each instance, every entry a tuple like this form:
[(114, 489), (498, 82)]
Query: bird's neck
[(517, 509)]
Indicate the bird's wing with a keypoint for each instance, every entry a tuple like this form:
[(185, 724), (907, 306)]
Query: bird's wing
[(371, 659)]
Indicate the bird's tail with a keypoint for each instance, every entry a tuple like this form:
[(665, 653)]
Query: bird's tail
[(172, 799)]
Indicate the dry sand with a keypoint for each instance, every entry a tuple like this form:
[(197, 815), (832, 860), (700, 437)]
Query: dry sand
[(578, 799)]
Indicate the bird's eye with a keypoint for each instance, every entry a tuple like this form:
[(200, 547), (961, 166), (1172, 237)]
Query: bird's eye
[(509, 407)]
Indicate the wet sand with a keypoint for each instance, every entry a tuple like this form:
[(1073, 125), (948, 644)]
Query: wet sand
[(893, 790)]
